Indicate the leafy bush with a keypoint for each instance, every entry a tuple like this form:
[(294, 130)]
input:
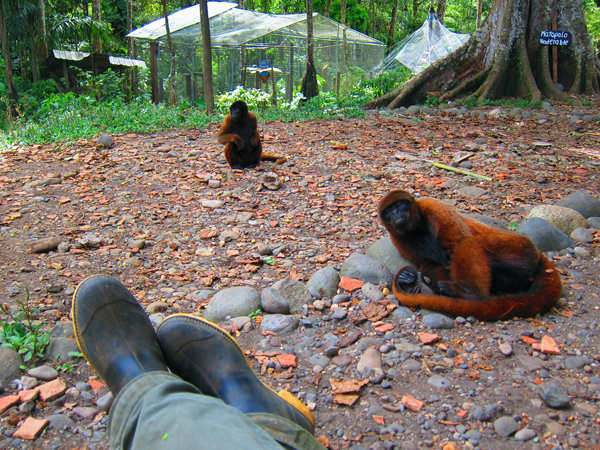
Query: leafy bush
[(254, 98)]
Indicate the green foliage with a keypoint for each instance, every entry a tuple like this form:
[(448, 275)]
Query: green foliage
[(592, 18), (66, 367), (384, 83), (254, 98), (67, 117), (23, 337), (254, 314), (432, 101)]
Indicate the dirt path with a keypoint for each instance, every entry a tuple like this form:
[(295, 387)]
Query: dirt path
[(151, 191)]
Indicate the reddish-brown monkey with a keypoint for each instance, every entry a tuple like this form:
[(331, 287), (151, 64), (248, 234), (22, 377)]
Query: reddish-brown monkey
[(466, 268), (239, 134)]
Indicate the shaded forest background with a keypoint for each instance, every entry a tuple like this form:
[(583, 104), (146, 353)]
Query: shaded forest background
[(32, 28)]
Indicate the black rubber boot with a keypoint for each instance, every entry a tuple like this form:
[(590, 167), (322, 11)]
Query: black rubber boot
[(113, 332), (206, 356)]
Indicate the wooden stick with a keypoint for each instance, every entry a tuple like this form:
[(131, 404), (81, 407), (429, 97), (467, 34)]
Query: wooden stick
[(464, 172)]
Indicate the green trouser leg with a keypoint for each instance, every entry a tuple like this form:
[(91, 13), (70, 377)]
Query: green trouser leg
[(158, 410)]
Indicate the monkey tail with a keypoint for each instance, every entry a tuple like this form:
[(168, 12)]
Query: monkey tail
[(274, 158), (543, 295)]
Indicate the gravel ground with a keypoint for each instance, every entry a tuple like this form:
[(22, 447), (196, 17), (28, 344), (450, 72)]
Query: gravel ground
[(198, 224)]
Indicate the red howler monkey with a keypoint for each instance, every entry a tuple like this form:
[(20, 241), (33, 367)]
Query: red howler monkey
[(239, 134), (466, 268)]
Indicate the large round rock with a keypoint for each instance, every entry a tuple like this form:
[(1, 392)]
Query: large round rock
[(11, 365), (384, 251), (367, 269), (583, 202), (324, 283), (294, 292), (234, 302), (278, 323), (565, 219), (544, 235)]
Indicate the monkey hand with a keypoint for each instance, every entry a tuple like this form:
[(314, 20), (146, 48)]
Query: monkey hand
[(239, 143), (410, 281)]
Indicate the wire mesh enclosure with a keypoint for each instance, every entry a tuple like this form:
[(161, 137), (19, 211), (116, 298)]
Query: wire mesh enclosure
[(253, 49)]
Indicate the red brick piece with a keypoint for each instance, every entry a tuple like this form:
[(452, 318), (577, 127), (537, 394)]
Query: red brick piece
[(350, 284), (428, 338), (31, 394), (384, 328), (412, 403), (51, 390), (549, 346), (31, 428), (95, 384), (287, 360), (8, 401)]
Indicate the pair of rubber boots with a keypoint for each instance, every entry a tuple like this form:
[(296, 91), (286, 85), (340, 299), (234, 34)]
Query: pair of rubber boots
[(117, 339)]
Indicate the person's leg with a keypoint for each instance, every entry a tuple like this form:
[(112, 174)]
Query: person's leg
[(160, 411), (206, 356), (153, 408)]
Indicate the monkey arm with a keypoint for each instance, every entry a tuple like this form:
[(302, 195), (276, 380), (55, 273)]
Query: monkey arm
[(231, 138)]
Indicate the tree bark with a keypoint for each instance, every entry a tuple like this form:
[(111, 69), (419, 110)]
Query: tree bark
[(13, 95), (504, 58), (309, 86), (131, 72), (207, 78), (171, 49), (390, 41), (42, 47), (327, 8), (372, 8), (35, 70), (479, 11), (97, 16), (440, 10)]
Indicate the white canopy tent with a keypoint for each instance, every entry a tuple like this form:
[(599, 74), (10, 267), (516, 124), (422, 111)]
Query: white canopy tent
[(423, 47)]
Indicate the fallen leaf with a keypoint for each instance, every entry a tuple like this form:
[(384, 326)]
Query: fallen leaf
[(345, 399), (346, 387), (412, 403)]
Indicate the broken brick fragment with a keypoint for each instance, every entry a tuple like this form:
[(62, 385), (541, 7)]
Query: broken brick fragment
[(8, 402), (31, 428), (51, 390)]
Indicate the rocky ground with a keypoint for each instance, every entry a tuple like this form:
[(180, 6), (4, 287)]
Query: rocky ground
[(164, 214)]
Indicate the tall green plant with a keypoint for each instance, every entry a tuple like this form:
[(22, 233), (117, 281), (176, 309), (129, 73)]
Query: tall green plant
[(20, 333)]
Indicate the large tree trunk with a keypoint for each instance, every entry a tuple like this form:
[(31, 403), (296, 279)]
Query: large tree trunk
[(35, 70), (130, 71), (504, 58), (390, 41), (13, 96), (207, 78), (440, 10), (97, 16), (327, 8), (42, 46), (309, 86), (172, 96), (345, 65)]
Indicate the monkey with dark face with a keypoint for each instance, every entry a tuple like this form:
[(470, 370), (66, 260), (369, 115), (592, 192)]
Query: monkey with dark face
[(239, 134), (465, 268)]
